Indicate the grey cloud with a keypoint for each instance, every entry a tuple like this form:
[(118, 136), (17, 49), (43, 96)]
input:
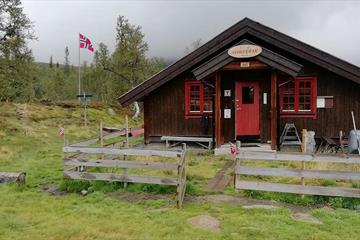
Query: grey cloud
[(170, 26)]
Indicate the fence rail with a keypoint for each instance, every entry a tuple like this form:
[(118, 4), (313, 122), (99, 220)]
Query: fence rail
[(302, 173)]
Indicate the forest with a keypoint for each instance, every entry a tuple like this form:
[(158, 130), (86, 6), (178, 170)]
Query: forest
[(109, 75)]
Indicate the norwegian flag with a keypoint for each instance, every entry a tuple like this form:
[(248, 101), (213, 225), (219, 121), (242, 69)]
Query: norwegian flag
[(61, 132), (233, 149), (85, 43)]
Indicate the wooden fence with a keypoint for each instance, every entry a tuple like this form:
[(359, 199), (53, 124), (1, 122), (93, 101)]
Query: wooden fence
[(302, 173), (78, 166)]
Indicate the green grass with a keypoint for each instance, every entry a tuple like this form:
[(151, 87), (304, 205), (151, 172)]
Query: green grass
[(27, 212)]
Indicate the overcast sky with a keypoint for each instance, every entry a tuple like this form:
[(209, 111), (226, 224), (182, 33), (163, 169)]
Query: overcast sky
[(170, 26)]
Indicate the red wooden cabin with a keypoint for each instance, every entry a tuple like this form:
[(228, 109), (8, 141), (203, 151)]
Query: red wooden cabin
[(251, 92)]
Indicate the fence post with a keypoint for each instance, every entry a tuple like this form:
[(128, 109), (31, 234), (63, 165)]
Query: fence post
[(101, 134), (237, 164), (303, 148), (181, 187), (127, 131), (126, 143)]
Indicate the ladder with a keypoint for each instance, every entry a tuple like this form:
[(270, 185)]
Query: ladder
[(290, 136)]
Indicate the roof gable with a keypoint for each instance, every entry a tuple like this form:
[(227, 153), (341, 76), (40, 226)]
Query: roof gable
[(229, 37), (266, 56)]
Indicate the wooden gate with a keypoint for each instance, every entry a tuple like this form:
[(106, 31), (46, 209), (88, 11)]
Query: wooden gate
[(303, 173), (80, 167)]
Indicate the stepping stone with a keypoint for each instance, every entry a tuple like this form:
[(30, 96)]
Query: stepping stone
[(205, 222), (262, 206), (305, 217)]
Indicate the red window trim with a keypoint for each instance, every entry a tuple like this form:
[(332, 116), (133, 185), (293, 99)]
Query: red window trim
[(188, 113), (297, 113)]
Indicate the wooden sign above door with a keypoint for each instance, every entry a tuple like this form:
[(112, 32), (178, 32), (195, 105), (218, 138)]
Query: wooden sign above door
[(245, 51)]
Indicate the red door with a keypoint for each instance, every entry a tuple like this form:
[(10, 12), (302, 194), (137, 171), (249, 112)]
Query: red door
[(247, 120)]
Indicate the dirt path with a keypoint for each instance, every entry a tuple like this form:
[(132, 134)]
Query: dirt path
[(221, 179)]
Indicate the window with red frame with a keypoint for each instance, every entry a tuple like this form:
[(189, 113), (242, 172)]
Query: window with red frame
[(298, 97), (198, 99)]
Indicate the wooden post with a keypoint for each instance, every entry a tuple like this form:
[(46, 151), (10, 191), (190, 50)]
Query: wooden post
[(237, 163), (218, 133), (304, 140), (273, 110), (126, 143), (101, 134), (127, 131), (303, 148), (181, 187)]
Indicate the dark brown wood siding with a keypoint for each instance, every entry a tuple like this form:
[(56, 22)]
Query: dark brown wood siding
[(330, 121), (164, 113), (164, 108)]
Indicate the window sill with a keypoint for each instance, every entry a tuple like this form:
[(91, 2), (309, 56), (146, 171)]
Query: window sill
[(200, 115), (297, 115)]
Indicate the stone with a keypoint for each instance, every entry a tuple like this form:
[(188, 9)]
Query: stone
[(262, 206), (357, 208), (205, 222), (111, 112), (53, 189), (305, 217), (84, 192)]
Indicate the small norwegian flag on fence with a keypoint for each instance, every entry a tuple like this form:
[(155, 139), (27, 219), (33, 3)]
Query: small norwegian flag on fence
[(85, 43), (61, 132), (233, 149)]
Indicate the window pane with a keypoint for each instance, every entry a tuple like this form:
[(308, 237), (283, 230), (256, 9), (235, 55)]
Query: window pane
[(304, 95), (288, 97), (248, 95), (194, 98), (207, 99)]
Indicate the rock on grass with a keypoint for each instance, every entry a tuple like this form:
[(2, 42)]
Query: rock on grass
[(205, 222)]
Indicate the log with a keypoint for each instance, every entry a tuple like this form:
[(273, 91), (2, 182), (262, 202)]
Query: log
[(18, 177)]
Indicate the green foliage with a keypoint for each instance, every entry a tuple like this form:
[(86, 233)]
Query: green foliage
[(107, 77), (111, 75), (17, 76)]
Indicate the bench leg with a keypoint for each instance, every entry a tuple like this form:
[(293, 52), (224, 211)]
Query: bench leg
[(167, 143)]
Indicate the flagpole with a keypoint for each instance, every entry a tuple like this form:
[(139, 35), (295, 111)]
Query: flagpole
[(79, 67)]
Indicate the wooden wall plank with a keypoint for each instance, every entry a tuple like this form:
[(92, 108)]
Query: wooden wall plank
[(274, 117), (120, 152), (120, 178), (278, 156), (120, 164), (290, 188), (286, 172), (219, 136)]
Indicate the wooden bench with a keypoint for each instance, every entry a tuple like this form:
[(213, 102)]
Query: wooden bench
[(178, 140)]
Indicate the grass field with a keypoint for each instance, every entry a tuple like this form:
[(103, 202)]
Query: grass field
[(29, 142)]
